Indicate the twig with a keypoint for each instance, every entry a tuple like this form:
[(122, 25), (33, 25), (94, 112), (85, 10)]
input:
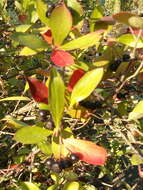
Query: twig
[(128, 142), (130, 77), (6, 133)]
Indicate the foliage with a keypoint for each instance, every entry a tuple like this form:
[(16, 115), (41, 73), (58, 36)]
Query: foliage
[(71, 95)]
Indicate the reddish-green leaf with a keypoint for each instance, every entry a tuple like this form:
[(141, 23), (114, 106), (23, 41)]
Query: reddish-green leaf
[(47, 36), (83, 41), (56, 96), (86, 150), (60, 23), (109, 20), (86, 85), (62, 58), (123, 17), (77, 74), (38, 90)]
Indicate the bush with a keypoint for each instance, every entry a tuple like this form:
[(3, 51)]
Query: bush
[(71, 95)]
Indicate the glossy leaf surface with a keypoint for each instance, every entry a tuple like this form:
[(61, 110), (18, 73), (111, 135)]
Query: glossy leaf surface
[(71, 186), (38, 90), (130, 41), (30, 40), (62, 58), (41, 10), (28, 186), (27, 52), (86, 85), (77, 74), (56, 96), (83, 42), (22, 27), (86, 150), (60, 23), (31, 135)]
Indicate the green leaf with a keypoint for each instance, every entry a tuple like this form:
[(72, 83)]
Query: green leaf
[(100, 61), (75, 5), (58, 149), (76, 10), (43, 106), (137, 112), (70, 176), (122, 68), (82, 42), (30, 40), (31, 135), (14, 122), (56, 96), (71, 186), (25, 4), (22, 28), (15, 98), (55, 177), (136, 22), (136, 159), (27, 52), (128, 39), (60, 23), (86, 85), (41, 10), (97, 13), (45, 147), (28, 186), (89, 187)]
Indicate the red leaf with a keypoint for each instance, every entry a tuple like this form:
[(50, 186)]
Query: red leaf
[(62, 58), (77, 74), (86, 150), (47, 36), (38, 90)]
